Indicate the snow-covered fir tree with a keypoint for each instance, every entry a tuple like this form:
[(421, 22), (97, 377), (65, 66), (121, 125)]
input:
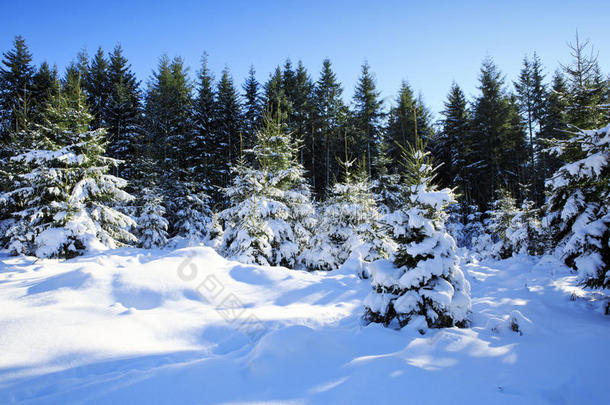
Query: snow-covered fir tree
[(270, 214), (152, 225), (423, 284), (577, 211), (525, 235), (503, 210), (65, 197), (349, 221)]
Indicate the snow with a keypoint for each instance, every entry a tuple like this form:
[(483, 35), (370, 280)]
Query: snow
[(187, 326)]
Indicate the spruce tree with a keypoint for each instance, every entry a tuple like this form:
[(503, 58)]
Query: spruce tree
[(330, 117), (577, 213), (45, 83), (525, 96), (253, 109), (276, 99), (586, 87), (368, 116), (205, 148), (228, 127), (423, 285), (269, 219), (407, 120), (302, 112), (16, 74), (98, 88), (452, 145), (169, 132), (553, 125), (123, 113), (67, 198), (499, 146), (349, 223)]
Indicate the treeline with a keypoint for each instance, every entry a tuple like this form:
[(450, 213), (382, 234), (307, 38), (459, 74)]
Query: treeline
[(195, 130)]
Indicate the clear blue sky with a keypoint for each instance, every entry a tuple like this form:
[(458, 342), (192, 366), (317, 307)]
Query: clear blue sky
[(430, 45)]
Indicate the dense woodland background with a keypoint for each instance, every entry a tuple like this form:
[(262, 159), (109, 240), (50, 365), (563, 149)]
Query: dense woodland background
[(195, 129)]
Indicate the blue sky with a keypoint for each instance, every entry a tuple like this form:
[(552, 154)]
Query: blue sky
[(430, 45)]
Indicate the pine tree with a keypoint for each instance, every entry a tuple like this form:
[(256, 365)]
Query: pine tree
[(67, 200), (577, 213), (349, 223), (269, 219), (15, 89), (123, 113), (98, 88), (424, 284), (368, 116)]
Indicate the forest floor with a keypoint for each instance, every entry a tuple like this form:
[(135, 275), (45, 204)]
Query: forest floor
[(186, 326)]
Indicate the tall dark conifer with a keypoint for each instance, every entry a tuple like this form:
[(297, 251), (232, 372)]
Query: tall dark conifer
[(204, 148), (407, 120), (123, 113), (498, 138), (253, 108), (228, 127), (452, 144), (368, 115), (16, 73), (330, 117), (97, 88)]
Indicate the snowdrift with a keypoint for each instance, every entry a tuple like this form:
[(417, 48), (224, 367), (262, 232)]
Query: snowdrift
[(187, 326)]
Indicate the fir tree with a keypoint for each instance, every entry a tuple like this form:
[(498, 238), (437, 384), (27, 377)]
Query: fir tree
[(577, 211), (67, 198), (269, 219), (276, 100), (498, 138), (228, 127), (16, 75), (424, 284), (407, 120), (205, 145), (554, 125), (525, 96), (330, 116), (123, 113), (253, 109), (349, 223), (452, 145), (586, 87), (152, 225), (368, 115), (98, 88), (45, 83), (302, 112)]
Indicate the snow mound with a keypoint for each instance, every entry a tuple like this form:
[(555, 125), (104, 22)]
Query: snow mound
[(187, 326)]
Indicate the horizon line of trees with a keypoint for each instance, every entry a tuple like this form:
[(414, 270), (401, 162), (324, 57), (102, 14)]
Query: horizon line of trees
[(196, 130)]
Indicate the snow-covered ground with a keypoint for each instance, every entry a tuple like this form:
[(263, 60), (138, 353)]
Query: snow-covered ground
[(187, 326)]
